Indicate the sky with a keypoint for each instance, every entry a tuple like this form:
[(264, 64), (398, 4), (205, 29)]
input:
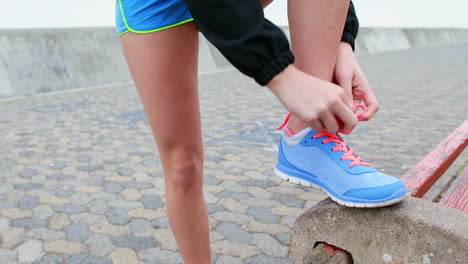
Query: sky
[(371, 13)]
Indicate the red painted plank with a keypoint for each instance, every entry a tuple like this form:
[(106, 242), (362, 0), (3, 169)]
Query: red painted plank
[(457, 195), (428, 171)]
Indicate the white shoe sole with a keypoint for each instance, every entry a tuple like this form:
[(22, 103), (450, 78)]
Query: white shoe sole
[(338, 201)]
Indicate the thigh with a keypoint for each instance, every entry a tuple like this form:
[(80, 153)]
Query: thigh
[(164, 66)]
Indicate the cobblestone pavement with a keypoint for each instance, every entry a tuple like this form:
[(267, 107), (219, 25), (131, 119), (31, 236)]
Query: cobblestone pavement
[(81, 181)]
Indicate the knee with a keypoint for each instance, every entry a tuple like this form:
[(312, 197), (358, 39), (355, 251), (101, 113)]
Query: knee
[(184, 171)]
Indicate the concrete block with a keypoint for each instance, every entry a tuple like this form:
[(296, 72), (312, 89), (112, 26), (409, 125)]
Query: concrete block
[(413, 231)]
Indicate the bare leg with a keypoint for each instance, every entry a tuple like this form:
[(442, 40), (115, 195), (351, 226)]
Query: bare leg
[(316, 28), (164, 67)]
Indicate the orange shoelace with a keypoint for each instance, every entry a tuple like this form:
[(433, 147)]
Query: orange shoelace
[(340, 143)]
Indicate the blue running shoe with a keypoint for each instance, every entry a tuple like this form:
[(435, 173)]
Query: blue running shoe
[(324, 161)]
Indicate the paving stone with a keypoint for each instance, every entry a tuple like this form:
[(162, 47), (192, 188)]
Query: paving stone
[(147, 214), (210, 180), (7, 205), (259, 193), (263, 259), (151, 202), (109, 229), (29, 223), (210, 198), (213, 208), (45, 234), (216, 236), (15, 213), (69, 170), (289, 211), (117, 216), (89, 168), (232, 217), (28, 173), (84, 158), (104, 196), (113, 187), (138, 185), (233, 205), (7, 256), (225, 247), (99, 245), (159, 256), (285, 190), (88, 189), (273, 229), (264, 215), (229, 260), (284, 238), (4, 224), (130, 241), (15, 195), (258, 183), (97, 207), (140, 227), (30, 251), (70, 209), (77, 232), (233, 195), (288, 200), (270, 246), (80, 198), (28, 203), (88, 218), (260, 203), (50, 259), (65, 192), (84, 258), (63, 247), (131, 194), (288, 220), (161, 223), (60, 177), (124, 204), (13, 237), (58, 165), (125, 172), (55, 201), (6, 188), (124, 256), (165, 238), (59, 221), (234, 233)]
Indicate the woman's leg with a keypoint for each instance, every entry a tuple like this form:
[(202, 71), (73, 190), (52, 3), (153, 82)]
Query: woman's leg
[(164, 66), (316, 28)]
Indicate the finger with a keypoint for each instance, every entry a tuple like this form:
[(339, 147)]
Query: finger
[(346, 117), (371, 104), (346, 82), (330, 122), (317, 126)]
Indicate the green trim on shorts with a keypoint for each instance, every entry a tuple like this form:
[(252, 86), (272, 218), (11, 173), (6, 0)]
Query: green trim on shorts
[(147, 31)]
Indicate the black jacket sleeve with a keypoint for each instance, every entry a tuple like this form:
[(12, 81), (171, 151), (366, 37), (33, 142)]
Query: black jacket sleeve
[(351, 27), (238, 28), (250, 42)]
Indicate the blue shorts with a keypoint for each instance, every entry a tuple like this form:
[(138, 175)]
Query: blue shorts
[(147, 16)]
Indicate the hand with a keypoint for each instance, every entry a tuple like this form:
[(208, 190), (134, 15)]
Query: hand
[(351, 78), (321, 104)]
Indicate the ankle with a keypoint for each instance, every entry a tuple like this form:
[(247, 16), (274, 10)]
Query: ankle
[(295, 125)]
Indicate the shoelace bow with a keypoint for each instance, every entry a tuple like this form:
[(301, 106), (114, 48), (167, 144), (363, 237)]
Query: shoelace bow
[(340, 143)]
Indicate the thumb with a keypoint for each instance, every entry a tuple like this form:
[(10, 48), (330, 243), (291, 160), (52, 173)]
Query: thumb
[(346, 82)]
